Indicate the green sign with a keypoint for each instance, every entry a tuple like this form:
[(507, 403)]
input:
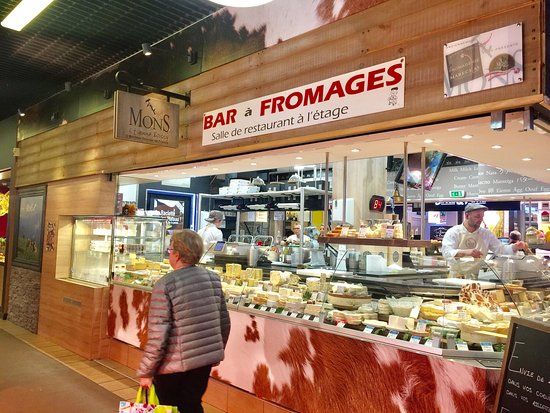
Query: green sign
[(457, 194)]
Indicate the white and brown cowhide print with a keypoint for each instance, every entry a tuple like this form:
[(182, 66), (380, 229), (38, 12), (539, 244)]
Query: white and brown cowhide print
[(311, 371)]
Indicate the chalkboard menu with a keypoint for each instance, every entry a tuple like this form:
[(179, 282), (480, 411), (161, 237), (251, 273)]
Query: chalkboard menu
[(525, 377)]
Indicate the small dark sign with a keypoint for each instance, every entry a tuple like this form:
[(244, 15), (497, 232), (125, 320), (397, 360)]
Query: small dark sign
[(525, 376), (464, 65), (377, 203)]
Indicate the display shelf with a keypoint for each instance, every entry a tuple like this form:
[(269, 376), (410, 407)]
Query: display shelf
[(138, 237), (393, 242), (274, 194)]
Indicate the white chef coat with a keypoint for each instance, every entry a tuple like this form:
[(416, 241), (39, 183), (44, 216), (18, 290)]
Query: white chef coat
[(210, 233), (459, 238)]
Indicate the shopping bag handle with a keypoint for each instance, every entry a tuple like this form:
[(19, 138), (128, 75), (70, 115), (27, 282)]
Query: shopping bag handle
[(147, 395)]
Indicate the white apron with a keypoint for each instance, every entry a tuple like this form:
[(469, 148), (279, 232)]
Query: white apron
[(468, 267)]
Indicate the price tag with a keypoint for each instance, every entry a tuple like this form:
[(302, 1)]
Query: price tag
[(344, 232), (415, 339), (487, 346), (393, 334), (263, 308), (368, 329), (285, 312), (314, 296), (248, 304), (462, 346), (428, 343), (421, 326), (362, 231), (294, 315), (415, 312), (316, 319), (245, 283), (341, 324), (273, 310)]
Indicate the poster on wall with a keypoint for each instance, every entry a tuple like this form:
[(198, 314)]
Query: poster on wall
[(484, 61), (29, 229), (369, 90)]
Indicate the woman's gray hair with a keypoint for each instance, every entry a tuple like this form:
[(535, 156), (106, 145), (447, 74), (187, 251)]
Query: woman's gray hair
[(188, 244)]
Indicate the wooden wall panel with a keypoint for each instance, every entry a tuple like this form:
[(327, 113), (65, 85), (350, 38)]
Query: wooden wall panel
[(414, 29), (74, 314)]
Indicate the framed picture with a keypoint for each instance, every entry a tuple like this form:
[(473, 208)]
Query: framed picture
[(29, 228)]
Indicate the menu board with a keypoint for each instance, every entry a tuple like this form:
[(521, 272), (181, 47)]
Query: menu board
[(525, 377)]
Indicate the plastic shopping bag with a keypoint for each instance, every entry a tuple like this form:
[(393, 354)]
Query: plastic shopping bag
[(146, 402)]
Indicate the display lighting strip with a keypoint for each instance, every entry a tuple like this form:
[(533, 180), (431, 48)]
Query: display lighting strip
[(24, 13)]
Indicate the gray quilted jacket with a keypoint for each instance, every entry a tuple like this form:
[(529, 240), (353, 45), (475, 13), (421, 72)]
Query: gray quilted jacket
[(188, 323)]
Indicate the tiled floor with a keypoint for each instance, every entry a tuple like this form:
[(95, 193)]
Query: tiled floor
[(110, 375)]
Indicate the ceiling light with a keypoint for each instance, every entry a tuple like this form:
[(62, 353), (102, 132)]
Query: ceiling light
[(428, 141), (548, 169), (356, 150), (299, 158), (526, 159), (146, 48), (156, 176), (496, 147), (20, 112), (184, 173), (23, 13), (467, 137), (215, 169), (240, 3), (253, 164)]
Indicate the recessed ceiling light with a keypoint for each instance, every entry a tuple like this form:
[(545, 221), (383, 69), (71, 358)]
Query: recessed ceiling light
[(299, 158), (156, 176), (496, 147), (428, 141), (184, 173), (467, 137), (548, 169), (253, 164), (526, 159), (356, 150), (215, 169)]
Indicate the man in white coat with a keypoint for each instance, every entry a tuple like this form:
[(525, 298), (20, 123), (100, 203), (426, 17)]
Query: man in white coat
[(465, 245), (211, 232)]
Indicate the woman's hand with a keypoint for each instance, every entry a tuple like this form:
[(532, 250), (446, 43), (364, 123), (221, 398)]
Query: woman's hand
[(146, 381)]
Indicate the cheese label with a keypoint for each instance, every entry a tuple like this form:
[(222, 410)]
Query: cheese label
[(415, 339), (415, 312), (368, 329), (294, 315), (273, 310), (263, 308), (316, 319), (314, 296), (393, 334), (487, 346), (421, 326), (428, 343), (461, 345), (341, 324)]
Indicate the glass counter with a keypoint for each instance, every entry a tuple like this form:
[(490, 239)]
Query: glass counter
[(91, 249), (414, 303), (139, 250)]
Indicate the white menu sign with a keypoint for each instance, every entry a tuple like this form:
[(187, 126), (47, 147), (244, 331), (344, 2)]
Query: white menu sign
[(369, 90)]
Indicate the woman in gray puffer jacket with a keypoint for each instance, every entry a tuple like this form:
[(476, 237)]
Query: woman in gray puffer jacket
[(188, 327)]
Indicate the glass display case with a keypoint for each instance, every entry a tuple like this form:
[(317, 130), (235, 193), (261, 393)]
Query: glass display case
[(91, 249), (139, 250), (402, 295)]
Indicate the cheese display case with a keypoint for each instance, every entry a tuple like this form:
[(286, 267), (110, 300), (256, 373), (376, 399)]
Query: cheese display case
[(91, 249), (138, 251), (415, 304)]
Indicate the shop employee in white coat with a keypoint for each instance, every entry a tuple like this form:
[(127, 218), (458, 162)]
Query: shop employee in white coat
[(470, 240), (211, 232)]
